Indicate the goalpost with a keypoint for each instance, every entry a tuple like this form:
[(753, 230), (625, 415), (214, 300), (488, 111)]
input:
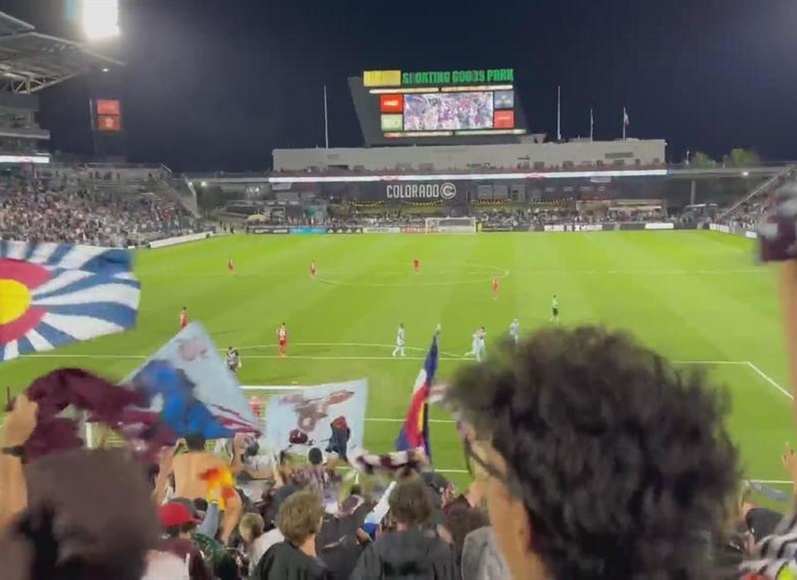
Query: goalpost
[(460, 225)]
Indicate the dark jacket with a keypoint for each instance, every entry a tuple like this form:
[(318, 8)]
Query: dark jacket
[(284, 562), (414, 554), (336, 544)]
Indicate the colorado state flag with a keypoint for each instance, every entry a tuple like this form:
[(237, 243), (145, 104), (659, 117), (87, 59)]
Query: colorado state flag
[(415, 432), (56, 294)]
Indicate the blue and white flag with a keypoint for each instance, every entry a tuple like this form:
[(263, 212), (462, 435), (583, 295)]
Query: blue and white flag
[(56, 294), (188, 384)]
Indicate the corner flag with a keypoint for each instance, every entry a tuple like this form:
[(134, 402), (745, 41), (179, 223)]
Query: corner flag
[(415, 432)]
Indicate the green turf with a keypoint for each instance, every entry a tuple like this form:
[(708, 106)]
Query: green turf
[(695, 296)]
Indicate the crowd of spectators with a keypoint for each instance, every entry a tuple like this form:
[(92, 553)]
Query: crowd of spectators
[(592, 458), (54, 211)]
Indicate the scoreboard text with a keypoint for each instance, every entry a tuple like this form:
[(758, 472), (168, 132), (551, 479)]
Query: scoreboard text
[(397, 78)]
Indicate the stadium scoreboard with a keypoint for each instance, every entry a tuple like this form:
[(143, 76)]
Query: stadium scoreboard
[(441, 104)]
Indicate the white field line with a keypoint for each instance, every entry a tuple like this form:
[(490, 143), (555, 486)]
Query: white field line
[(769, 379), (748, 364)]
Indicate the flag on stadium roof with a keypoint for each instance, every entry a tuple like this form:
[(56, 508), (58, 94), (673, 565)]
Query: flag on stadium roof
[(187, 383), (415, 432), (56, 294)]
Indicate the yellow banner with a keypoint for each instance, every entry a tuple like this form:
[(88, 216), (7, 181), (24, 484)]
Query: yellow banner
[(382, 78)]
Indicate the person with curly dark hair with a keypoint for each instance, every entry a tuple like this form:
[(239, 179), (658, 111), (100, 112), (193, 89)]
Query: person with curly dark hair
[(605, 461)]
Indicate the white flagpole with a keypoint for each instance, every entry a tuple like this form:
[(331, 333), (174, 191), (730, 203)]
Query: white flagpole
[(326, 120), (559, 113), (591, 125), (625, 119)]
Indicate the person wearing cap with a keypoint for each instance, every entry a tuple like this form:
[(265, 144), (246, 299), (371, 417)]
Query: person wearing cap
[(178, 525)]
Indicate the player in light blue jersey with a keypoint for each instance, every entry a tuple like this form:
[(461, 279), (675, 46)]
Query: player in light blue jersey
[(399, 350), (474, 345), (514, 330), (481, 350)]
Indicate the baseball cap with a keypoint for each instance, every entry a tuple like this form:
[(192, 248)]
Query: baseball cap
[(175, 514)]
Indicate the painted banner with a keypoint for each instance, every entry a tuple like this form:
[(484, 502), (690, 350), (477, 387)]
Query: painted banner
[(307, 415), (188, 384)]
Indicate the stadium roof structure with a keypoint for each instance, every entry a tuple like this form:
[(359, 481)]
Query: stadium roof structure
[(31, 61)]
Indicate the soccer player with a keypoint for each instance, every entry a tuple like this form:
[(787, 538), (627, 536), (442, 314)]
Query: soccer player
[(312, 269), (481, 350), (496, 287), (282, 339), (399, 350), (416, 265), (233, 360), (555, 309), (184, 317), (477, 347), (514, 331), (231, 265)]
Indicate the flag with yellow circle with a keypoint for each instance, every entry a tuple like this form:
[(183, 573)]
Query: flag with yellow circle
[(56, 294)]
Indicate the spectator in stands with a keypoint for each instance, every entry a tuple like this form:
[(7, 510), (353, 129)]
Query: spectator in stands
[(299, 520), (179, 525), (481, 557), (459, 523), (252, 530), (413, 549), (605, 461)]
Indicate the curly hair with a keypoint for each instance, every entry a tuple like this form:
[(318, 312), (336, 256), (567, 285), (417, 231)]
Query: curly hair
[(622, 461), (299, 517)]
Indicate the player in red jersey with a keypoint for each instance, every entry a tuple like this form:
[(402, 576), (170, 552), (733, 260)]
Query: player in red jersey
[(496, 287), (231, 265), (416, 265), (184, 317), (312, 268), (282, 339)]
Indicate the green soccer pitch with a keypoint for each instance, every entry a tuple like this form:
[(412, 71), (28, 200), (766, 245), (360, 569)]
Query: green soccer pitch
[(698, 297)]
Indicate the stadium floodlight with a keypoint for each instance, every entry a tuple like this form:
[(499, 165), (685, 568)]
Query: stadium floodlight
[(100, 18), (204, 184)]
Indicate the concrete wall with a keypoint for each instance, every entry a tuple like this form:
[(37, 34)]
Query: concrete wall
[(440, 158)]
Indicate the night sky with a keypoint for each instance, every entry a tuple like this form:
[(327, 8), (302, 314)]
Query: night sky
[(217, 84)]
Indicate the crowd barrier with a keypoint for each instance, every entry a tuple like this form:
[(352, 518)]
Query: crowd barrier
[(166, 242), (734, 230)]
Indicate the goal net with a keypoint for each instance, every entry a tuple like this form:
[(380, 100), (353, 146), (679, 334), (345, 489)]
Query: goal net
[(461, 225)]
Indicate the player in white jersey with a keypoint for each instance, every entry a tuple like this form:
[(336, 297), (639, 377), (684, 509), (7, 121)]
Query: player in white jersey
[(399, 350), (481, 351), (514, 331), (477, 347)]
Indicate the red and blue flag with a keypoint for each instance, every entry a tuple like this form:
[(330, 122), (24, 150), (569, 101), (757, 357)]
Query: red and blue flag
[(415, 432)]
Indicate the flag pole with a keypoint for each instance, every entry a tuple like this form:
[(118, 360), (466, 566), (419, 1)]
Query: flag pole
[(591, 125), (559, 112), (625, 121), (326, 120)]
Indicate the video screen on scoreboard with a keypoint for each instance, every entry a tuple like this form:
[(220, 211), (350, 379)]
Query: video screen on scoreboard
[(463, 111), (438, 106)]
